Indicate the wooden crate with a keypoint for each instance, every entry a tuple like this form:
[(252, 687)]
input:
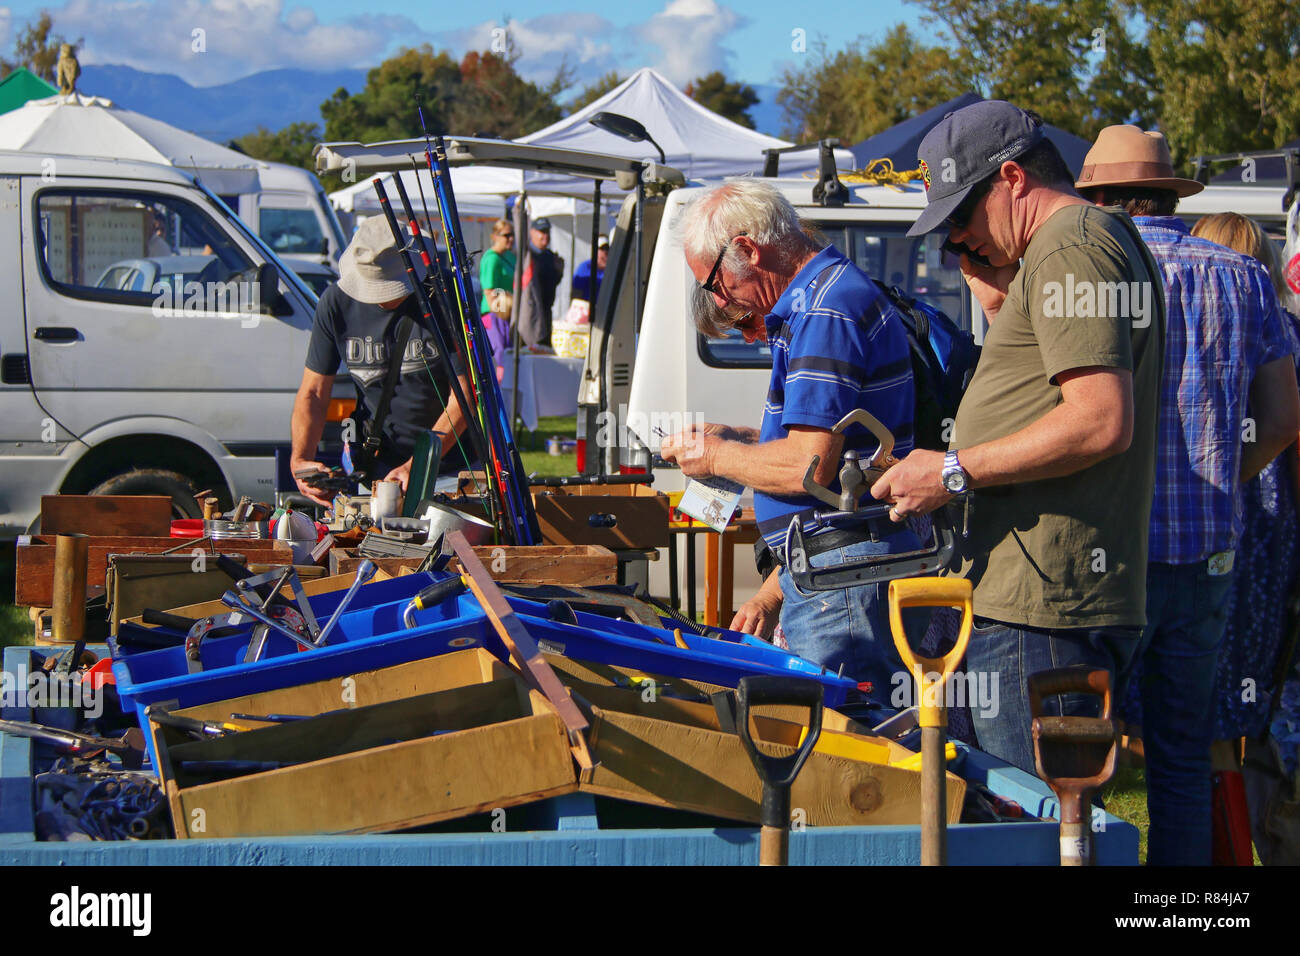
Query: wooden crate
[(672, 753), (106, 514), (34, 560), (640, 514), (496, 744), (581, 565), (320, 585)]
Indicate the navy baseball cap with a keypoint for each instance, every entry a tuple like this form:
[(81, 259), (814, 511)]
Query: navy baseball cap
[(542, 225), (966, 147)]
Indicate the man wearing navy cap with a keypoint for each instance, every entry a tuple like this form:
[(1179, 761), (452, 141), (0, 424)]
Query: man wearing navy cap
[(1057, 431)]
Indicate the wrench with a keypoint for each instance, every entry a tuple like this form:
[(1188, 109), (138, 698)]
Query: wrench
[(365, 571)]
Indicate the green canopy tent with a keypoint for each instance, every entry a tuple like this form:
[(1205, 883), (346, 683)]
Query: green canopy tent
[(20, 86)]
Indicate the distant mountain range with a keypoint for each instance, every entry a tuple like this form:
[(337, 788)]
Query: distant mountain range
[(272, 98)]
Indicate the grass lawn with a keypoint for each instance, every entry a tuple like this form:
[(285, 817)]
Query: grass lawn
[(1126, 798), (532, 448)]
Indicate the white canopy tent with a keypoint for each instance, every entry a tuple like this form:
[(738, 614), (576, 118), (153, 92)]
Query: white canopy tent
[(80, 125)]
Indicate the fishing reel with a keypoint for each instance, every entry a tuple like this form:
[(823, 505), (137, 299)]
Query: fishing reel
[(854, 509)]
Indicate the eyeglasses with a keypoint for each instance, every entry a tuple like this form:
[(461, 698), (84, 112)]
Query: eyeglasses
[(708, 285), (961, 216)]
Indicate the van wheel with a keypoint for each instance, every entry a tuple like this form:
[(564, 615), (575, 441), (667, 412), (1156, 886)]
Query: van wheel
[(152, 481)]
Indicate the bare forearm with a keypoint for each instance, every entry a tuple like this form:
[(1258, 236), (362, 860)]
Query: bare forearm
[(1062, 442), (452, 420), (1256, 455), (307, 424), (773, 467)]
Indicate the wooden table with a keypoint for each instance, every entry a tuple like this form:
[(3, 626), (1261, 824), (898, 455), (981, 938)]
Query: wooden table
[(719, 565)]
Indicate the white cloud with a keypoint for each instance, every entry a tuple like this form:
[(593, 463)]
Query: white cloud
[(684, 39), (237, 37)]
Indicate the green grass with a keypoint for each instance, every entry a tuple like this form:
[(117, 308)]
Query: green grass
[(1126, 798), (15, 626), (532, 447)]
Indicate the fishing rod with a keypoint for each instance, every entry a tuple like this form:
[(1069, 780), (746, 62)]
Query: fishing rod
[(434, 276), (507, 461), (480, 441)]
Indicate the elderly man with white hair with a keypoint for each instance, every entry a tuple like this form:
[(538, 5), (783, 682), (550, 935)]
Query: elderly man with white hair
[(837, 345)]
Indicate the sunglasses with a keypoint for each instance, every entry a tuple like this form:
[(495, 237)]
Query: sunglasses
[(708, 284), (961, 216)]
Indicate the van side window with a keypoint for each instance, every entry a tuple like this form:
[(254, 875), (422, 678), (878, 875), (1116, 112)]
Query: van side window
[(918, 266), (290, 230), (139, 248)]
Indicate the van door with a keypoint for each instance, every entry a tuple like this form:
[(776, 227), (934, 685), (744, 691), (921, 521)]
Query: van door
[(141, 301)]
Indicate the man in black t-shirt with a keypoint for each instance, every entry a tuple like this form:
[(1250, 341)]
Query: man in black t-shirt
[(356, 324)]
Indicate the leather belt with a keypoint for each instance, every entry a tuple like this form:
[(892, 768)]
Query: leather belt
[(873, 529)]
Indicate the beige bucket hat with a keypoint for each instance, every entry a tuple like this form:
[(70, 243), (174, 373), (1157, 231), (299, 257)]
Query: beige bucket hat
[(371, 268)]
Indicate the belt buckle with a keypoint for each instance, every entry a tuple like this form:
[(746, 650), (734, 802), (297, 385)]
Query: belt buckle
[(1221, 563)]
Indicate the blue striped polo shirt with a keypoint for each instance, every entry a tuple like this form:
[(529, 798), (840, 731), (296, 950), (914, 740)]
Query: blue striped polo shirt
[(837, 344)]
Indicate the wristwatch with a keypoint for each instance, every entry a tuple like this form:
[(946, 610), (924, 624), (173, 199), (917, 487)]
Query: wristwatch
[(954, 477)]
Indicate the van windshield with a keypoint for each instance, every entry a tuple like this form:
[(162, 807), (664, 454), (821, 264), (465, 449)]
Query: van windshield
[(291, 230), (916, 265)]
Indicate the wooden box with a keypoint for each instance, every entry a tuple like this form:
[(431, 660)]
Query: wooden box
[(639, 515), (389, 749), (320, 585), (106, 514), (34, 560), (581, 565), (672, 753)]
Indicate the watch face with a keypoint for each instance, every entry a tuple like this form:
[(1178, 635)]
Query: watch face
[(954, 481)]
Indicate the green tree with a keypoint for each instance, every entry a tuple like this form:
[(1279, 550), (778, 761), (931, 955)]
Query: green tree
[(864, 89), (37, 49), (1228, 73), (729, 100), (1072, 61), (482, 94), (595, 91), (386, 109), (292, 145)]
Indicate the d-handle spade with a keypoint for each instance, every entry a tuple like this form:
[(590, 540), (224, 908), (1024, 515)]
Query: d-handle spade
[(777, 773), (1074, 755), (930, 676)]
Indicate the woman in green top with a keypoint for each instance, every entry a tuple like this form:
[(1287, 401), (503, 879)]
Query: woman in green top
[(496, 268)]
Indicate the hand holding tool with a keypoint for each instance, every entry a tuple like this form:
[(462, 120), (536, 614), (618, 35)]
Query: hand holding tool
[(930, 676), (777, 773), (1074, 755)]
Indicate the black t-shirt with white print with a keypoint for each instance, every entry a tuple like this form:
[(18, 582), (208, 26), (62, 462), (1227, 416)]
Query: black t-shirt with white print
[(361, 336)]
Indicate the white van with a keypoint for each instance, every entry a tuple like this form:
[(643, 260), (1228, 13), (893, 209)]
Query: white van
[(151, 342), (293, 216)]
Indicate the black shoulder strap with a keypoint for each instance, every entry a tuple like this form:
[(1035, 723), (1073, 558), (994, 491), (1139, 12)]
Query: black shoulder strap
[(375, 427)]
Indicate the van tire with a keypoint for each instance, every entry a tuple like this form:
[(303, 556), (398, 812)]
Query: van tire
[(153, 481)]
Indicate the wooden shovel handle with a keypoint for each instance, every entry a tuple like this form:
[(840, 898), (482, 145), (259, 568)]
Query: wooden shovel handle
[(930, 592)]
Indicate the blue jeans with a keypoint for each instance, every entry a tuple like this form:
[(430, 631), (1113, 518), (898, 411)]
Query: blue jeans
[(850, 627), (1186, 617), (1010, 653)]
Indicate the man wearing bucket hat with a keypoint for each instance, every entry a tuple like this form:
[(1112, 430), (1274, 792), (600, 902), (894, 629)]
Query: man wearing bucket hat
[(1056, 431), (358, 322), (1228, 376)]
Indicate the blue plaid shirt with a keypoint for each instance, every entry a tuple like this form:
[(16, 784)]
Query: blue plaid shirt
[(1224, 322)]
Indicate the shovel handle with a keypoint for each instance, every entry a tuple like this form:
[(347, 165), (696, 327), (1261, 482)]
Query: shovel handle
[(1069, 680), (778, 773), (931, 592)]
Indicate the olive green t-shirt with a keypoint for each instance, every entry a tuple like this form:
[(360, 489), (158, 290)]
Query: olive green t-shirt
[(1068, 551)]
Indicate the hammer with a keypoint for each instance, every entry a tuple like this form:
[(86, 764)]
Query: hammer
[(930, 675), (1074, 755)]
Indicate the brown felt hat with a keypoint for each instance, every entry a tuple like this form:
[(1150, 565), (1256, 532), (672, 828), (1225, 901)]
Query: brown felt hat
[(1128, 156)]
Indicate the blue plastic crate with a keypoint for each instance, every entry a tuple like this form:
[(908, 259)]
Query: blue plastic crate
[(566, 830)]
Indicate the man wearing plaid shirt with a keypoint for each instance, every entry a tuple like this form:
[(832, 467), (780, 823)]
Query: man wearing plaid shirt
[(1228, 407)]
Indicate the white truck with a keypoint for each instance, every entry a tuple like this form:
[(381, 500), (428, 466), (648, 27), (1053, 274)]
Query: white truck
[(106, 387)]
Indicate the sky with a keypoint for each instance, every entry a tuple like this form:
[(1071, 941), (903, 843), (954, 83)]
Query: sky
[(214, 41)]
